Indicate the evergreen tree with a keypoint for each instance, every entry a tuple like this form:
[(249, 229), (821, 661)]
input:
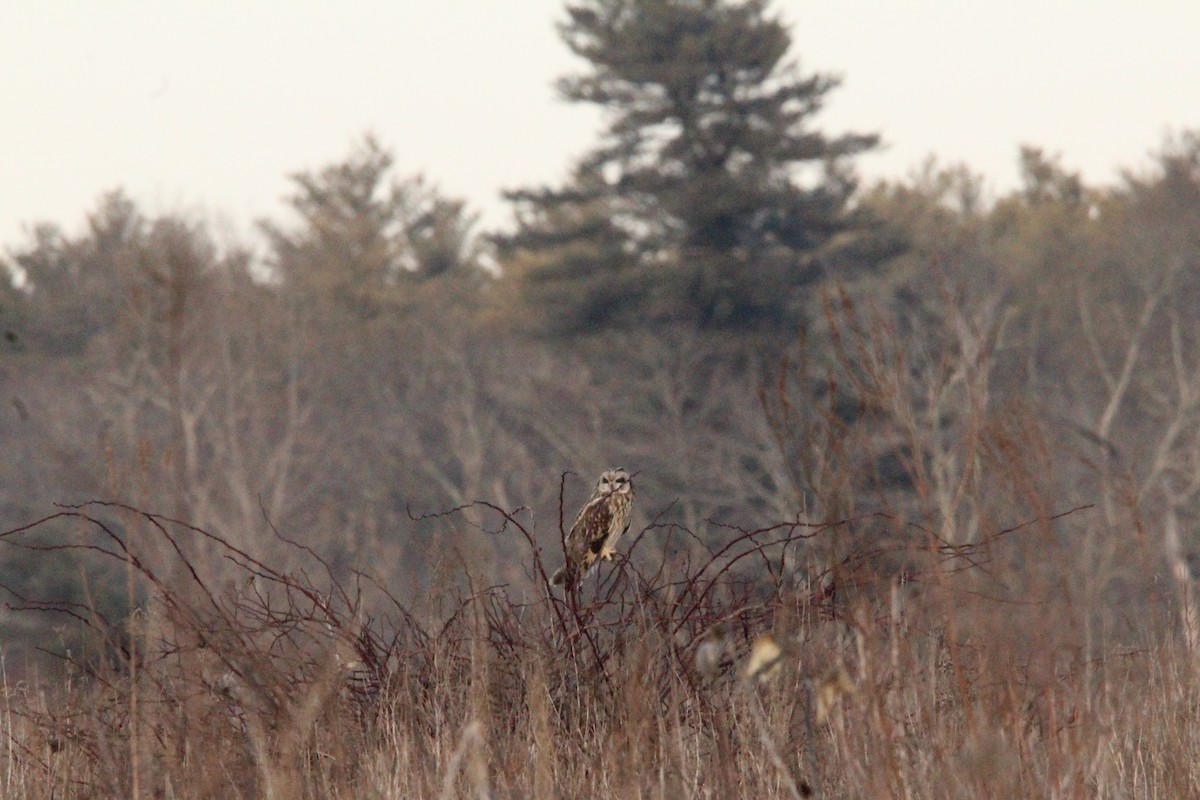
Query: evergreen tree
[(572, 262), (365, 237), (718, 190), (73, 288)]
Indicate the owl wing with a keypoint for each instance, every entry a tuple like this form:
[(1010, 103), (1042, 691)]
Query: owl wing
[(589, 533)]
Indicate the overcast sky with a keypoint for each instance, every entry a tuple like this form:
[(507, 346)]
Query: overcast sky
[(206, 107)]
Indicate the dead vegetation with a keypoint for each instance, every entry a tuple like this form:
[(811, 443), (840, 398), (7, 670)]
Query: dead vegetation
[(929, 624), (234, 679)]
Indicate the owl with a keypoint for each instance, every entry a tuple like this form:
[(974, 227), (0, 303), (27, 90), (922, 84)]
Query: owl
[(598, 526)]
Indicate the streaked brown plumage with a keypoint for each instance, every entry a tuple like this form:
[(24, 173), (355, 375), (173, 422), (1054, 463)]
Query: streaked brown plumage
[(598, 526)]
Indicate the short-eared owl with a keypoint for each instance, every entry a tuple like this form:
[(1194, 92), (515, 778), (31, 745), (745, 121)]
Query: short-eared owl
[(600, 523)]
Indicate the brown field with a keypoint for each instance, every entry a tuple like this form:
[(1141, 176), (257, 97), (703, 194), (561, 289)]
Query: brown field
[(956, 675)]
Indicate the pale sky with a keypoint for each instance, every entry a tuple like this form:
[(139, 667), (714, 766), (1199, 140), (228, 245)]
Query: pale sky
[(206, 107)]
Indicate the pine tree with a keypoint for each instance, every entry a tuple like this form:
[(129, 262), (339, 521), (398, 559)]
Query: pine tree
[(720, 193), (367, 239)]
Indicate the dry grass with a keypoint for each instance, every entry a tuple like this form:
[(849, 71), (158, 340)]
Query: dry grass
[(280, 685)]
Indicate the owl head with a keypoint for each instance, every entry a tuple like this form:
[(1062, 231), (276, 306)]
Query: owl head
[(614, 481)]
